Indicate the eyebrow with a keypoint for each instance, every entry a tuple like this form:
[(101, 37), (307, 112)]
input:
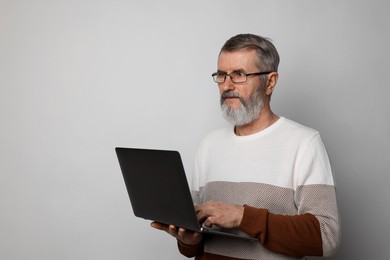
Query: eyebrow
[(237, 70)]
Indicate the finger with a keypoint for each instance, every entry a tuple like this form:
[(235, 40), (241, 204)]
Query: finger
[(200, 208), (158, 225), (202, 215), (197, 208), (208, 222), (172, 230), (181, 232)]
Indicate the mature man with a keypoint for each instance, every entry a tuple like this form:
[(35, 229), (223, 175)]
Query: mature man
[(267, 176)]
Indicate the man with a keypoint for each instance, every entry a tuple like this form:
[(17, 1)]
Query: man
[(267, 176)]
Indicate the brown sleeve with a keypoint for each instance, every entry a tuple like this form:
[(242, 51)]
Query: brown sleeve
[(190, 250), (298, 235)]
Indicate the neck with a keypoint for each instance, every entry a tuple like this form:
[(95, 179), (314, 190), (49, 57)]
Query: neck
[(265, 119)]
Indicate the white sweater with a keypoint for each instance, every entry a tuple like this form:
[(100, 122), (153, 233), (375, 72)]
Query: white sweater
[(284, 169)]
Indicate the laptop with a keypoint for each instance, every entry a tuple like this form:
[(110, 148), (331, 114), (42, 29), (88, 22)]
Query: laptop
[(158, 189)]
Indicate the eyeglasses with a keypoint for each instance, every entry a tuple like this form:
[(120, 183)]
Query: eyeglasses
[(235, 76)]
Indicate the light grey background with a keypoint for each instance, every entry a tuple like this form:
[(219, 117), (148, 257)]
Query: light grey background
[(78, 78)]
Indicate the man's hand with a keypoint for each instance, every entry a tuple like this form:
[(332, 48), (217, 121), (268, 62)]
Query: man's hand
[(219, 214), (187, 237)]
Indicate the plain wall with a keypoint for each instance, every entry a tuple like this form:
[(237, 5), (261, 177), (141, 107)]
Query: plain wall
[(78, 78)]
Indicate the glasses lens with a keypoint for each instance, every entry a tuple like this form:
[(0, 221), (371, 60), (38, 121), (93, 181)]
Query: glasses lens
[(238, 77), (219, 77)]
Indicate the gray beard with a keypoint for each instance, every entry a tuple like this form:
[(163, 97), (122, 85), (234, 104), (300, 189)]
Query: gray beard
[(247, 112)]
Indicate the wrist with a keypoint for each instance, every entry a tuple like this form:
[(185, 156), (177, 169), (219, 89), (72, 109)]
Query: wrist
[(189, 244), (190, 250)]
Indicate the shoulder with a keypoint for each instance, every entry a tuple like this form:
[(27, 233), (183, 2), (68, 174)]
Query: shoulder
[(291, 127)]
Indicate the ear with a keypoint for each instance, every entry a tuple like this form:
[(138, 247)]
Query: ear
[(272, 79)]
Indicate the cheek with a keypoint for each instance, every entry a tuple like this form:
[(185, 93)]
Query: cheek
[(245, 95), (220, 88)]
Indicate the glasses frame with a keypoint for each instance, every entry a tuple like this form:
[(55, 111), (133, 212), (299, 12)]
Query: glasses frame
[(231, 77)]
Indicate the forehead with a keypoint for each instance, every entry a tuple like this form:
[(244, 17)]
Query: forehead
[(235, 60)]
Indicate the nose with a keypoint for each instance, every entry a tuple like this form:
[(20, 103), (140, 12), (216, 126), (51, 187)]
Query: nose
[(227, 85)]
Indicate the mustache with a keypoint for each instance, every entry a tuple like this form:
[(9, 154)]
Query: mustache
[(230, 94)]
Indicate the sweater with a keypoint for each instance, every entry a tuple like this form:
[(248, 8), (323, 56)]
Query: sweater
[(283, 178)]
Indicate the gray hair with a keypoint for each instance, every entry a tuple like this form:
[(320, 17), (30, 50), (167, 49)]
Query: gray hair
[(267, 55)]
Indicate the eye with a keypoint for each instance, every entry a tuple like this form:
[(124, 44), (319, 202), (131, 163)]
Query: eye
[(240, 74)]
